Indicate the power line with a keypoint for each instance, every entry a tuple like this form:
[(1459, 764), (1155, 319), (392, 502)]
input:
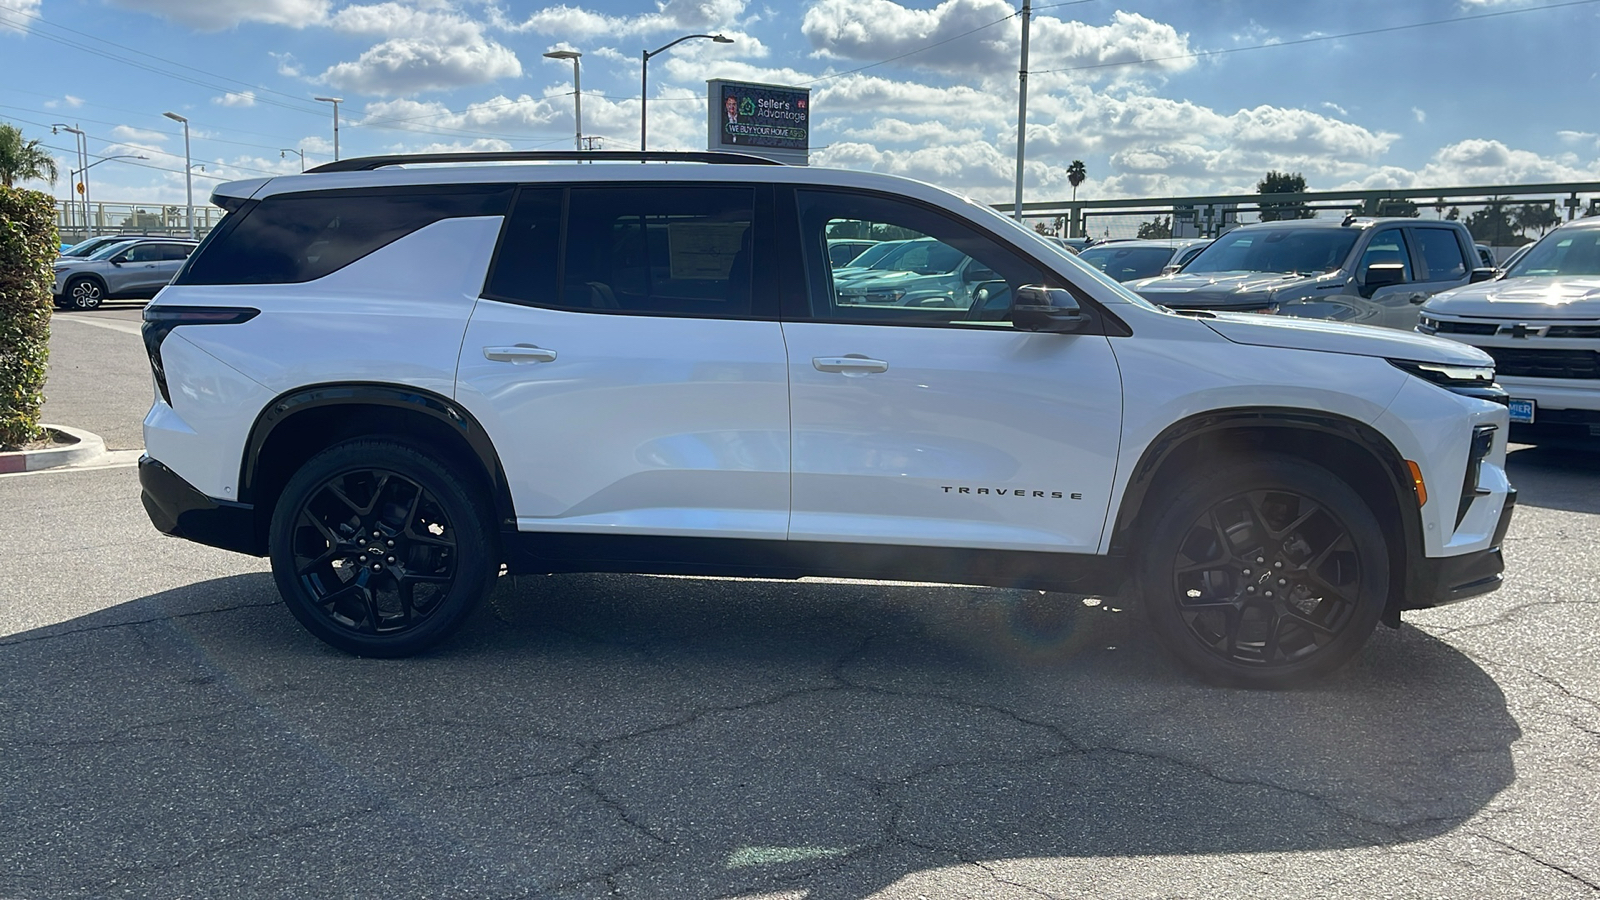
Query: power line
[(1199, 54)]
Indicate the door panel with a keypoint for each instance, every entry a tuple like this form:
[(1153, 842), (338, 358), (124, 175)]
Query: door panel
[(635, 424), (969, 437)]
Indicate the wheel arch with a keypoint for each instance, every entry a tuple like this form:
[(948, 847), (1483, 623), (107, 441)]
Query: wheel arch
[(297, 425), (66, 288), (1355, 452)]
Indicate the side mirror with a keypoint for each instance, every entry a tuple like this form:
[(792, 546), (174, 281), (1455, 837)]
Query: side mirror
[(119, 259), (1483, 275), (1380, 275), (1048, 310)]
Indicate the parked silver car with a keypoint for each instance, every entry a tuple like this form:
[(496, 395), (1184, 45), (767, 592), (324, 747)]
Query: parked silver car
[(129, 269), (1130, 260)]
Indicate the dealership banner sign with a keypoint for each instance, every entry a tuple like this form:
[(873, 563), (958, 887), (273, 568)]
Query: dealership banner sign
[(767, 120)]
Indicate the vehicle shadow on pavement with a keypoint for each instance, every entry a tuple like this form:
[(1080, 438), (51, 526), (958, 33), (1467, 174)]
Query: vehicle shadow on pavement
[(679, 737), (1557, 476)]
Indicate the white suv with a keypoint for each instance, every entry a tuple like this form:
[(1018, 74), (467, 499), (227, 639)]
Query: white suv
[(396, 381), (1541, 323)]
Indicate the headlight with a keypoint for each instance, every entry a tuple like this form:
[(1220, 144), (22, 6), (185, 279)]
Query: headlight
[(1469, 381)]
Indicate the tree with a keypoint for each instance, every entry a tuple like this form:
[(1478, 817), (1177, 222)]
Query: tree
[(1492, 224), (1392, 206), (1439, 206), (23, 160), (1283, 183), (1156, 228), (1539, 216), (1453, 215), (1077, 174)]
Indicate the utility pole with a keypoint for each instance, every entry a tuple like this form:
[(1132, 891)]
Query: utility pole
[(188, 172), (1022, 103), (335, 101)]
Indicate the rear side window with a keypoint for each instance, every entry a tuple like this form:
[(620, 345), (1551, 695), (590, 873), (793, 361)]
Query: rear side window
[(671, 250), (1441, 254), (293, 238)]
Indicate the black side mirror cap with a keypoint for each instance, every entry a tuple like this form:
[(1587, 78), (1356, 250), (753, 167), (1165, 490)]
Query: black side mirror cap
[(1048, 310), (1483, 275)]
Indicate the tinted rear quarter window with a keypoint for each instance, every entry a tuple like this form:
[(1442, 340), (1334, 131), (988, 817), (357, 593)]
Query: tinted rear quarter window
[(293, 238)]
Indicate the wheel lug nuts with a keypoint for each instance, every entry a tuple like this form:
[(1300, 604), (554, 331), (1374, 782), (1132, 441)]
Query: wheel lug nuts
[(391, 543), (1246, 572), (1260, 559), (1269, 593), (1281, 581), (391, 559), (363, 559), (1277, 565), (1250, 590), (379, 566)]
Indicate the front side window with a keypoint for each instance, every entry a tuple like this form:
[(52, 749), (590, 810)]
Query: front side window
[(293, 238), (1388, 248), (938, 271), (1441, 254), (147, 253), (1302, 251)]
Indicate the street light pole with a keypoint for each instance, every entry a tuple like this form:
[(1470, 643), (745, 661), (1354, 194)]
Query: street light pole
[(335, 101), (577, 92), (188, 171), (292, 150), (644, 75), (81, 143), (1022, 104)]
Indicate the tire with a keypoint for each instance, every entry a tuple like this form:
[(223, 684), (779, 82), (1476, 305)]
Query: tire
[(84, 292), (379, 549), (1269, 573)]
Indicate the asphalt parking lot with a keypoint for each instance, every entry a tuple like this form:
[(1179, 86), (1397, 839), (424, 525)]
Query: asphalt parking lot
[(168, 730)]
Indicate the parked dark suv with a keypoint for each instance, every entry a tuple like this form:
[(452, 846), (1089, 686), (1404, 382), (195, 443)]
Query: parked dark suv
[(1361, 270)]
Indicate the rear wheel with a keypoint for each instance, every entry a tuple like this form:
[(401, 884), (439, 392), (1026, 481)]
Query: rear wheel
[(379, 550), (1268, 573)]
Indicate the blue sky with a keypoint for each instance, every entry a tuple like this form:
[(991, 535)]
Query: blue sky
[(1499, 91)]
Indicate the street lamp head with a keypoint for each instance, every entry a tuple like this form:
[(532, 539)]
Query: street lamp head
[(329, 99), (721, 39), (175, 117), (562, 54)]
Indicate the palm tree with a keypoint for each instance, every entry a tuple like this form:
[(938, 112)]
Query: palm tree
[(1076, 175), (23, 160)]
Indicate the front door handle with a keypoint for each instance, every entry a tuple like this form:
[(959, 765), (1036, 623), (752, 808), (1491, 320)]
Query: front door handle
[(1419, 298), (851, 364), (521, 353)]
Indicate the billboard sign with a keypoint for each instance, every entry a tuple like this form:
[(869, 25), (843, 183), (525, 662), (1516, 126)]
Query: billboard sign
[(763, 119)]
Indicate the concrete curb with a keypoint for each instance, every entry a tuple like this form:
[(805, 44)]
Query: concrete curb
[(88, 448)]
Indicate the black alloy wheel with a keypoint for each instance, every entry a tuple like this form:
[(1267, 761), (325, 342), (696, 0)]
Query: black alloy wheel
[(1267, 574), (380, 550), (84, 293)]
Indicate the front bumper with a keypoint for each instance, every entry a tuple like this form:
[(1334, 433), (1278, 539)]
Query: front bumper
[(1437, 581), (177, 508)]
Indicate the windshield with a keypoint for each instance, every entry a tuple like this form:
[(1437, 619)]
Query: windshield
[(84, 248), (110, 250), (925, 257), (1575, 252), (1301, 251), (1127, 263), (872, 254)]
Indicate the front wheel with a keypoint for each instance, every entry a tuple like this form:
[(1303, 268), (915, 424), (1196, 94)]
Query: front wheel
[(1267, 573), (84, 293), (379, 549)]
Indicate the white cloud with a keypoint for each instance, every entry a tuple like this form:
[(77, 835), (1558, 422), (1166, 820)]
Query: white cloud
[(972, 34), (288, 66), (1419, 114), (428, 49), (1336, 108), (16, 15), (241, 99), (216, 15), (67, 100), (576, 23), (137, 135)]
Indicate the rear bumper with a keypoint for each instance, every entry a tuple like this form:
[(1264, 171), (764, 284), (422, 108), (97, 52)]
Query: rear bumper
[(177, 508), (1443, 580)]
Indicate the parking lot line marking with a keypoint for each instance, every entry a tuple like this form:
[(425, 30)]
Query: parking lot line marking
[(113, 324)]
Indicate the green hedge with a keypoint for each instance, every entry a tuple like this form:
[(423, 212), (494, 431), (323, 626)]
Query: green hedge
[(28, 245)]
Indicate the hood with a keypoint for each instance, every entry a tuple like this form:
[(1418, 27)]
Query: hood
[(1218, 290), (1337, 337), (1533, 297)]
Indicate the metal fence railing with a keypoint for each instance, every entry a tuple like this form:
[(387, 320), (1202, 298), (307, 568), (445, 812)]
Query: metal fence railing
[(76, 223)]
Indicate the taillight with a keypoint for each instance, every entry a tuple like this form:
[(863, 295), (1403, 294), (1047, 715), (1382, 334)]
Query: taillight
[(160, 320)]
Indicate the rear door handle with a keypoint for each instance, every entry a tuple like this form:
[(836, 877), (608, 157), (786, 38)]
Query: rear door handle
[(518, 354), (849, 365)]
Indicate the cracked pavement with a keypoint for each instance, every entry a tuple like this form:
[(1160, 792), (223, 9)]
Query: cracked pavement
[(168, 730)]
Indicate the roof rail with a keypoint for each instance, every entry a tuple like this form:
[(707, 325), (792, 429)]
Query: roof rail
[(369, 163)]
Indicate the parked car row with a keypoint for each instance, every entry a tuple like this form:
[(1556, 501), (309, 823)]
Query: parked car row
[(117, 268)]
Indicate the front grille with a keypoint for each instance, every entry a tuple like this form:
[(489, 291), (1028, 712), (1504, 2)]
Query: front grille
[(1517, 362), (1466, 327), (1573, 331)]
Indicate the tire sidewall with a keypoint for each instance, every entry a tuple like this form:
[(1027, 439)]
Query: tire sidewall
[(1183, 506), (477, 559)]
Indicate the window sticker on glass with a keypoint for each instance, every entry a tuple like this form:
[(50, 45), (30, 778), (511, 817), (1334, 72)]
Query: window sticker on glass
[(703, 251)]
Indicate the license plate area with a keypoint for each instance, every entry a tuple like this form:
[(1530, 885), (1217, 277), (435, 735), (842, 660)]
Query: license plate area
[(1523, 411)]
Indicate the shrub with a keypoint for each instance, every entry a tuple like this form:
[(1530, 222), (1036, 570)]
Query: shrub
[(28, 246)]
